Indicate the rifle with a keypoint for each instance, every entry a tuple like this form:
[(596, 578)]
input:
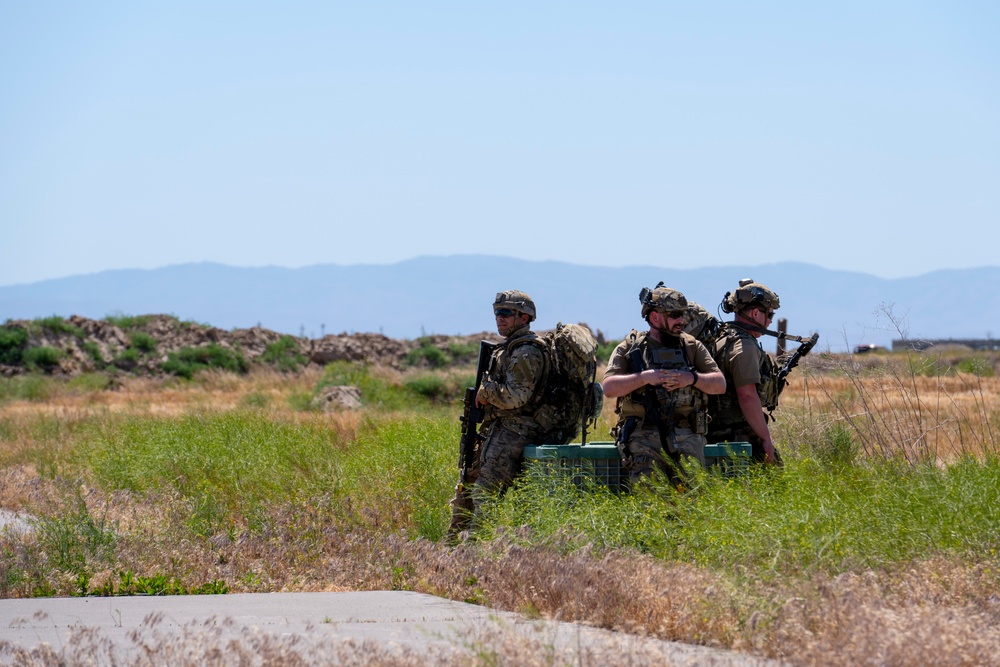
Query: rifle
[(793, 361), (472, 415)]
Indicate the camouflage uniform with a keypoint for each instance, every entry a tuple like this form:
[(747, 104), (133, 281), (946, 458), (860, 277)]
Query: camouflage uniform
[(682, 410), (509, 391), (516, 369), (743, 361)]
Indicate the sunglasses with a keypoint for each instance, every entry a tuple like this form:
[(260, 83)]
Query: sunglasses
[(504, 312), (676, 314), (769, 314)]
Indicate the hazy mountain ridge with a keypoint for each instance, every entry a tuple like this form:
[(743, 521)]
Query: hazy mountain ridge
[(452, 295)]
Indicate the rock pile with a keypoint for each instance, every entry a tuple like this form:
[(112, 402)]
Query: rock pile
[(143, 344)]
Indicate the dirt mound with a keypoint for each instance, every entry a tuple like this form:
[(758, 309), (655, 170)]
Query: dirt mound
[(158, 344)]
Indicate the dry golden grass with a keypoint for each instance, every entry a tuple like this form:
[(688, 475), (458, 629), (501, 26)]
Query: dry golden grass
[(895, 413)]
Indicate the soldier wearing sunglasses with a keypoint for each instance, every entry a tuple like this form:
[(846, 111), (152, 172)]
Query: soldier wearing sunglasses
[(739, 414), (508, 395), (661, 379)]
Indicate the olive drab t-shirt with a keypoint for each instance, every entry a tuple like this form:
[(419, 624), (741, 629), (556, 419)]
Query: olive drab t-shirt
[(742, 362)]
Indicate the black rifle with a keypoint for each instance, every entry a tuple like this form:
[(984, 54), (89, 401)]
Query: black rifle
[(793, 361), (472, 416)]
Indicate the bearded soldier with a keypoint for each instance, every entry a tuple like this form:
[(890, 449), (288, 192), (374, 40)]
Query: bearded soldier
[(738, 415), (508, 395), (660, 379)]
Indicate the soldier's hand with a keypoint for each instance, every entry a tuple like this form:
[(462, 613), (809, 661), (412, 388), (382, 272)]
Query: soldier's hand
[(768, 452)]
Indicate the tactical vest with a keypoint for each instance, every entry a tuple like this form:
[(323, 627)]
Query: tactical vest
[(675, 406), (507, 348), (725, 407)]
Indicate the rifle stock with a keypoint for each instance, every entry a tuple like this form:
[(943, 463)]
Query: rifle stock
[(472, 415)]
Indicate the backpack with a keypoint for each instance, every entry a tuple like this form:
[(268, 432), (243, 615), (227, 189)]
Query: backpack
[(703, 325), (569, 397)]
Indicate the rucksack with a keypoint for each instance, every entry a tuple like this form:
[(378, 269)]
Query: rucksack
[(703, 325), (569, 397)]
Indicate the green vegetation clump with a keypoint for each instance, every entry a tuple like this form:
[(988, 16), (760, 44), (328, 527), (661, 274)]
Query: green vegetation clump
[(13, 340), (427, 354), (43, 358), (604, 351), (127, 359), (978, 366), (93, 350), (285, 355), (56, 324), (128, 322), (189, 360), (142, 341)]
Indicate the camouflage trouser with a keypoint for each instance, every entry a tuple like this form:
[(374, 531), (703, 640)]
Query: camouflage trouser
[(645, 449), (500, 459)]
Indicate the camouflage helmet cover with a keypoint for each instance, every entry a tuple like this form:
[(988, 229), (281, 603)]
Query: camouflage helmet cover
[(750, 294), (515, 300), (661, 298)]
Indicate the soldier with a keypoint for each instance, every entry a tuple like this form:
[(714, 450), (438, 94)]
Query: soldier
[(508, 394), (738, 415), (661, 378)]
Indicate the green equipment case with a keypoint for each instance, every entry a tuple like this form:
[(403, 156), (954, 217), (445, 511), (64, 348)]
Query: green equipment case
[(601, 462)]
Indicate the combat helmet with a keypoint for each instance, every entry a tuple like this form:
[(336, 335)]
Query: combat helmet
[(515, 300), (661, 298), (750, 295)]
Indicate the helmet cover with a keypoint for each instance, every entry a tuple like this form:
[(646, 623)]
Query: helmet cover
[(515, 300)]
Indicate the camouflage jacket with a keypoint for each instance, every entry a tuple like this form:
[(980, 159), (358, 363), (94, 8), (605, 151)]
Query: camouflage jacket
[(515, 376)]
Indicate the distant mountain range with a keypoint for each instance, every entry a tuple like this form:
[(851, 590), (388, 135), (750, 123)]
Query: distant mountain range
[(453, 295)]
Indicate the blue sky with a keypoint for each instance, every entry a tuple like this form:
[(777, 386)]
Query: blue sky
[(862, 136)]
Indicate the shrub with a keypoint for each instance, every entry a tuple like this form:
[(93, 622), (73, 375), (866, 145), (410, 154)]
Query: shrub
[(427, 354), (977, 366), (43, 358), (189, 360), (463, 352), (431, 386), (604, 351), (285, 355), (13, 339), (142, 341), (126, 359)]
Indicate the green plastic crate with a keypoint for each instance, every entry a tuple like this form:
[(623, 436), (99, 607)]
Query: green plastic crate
[(597, 459), (601, 460), (732, 458)]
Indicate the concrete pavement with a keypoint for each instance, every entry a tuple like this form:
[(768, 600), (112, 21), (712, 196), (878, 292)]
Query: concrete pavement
[(413, 627)]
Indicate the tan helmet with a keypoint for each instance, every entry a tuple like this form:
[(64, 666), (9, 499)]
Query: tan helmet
[(515, 300), (661, 298), (750, 295)]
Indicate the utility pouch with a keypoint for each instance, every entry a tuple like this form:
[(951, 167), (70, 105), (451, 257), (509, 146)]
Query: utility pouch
[(699, 422)]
